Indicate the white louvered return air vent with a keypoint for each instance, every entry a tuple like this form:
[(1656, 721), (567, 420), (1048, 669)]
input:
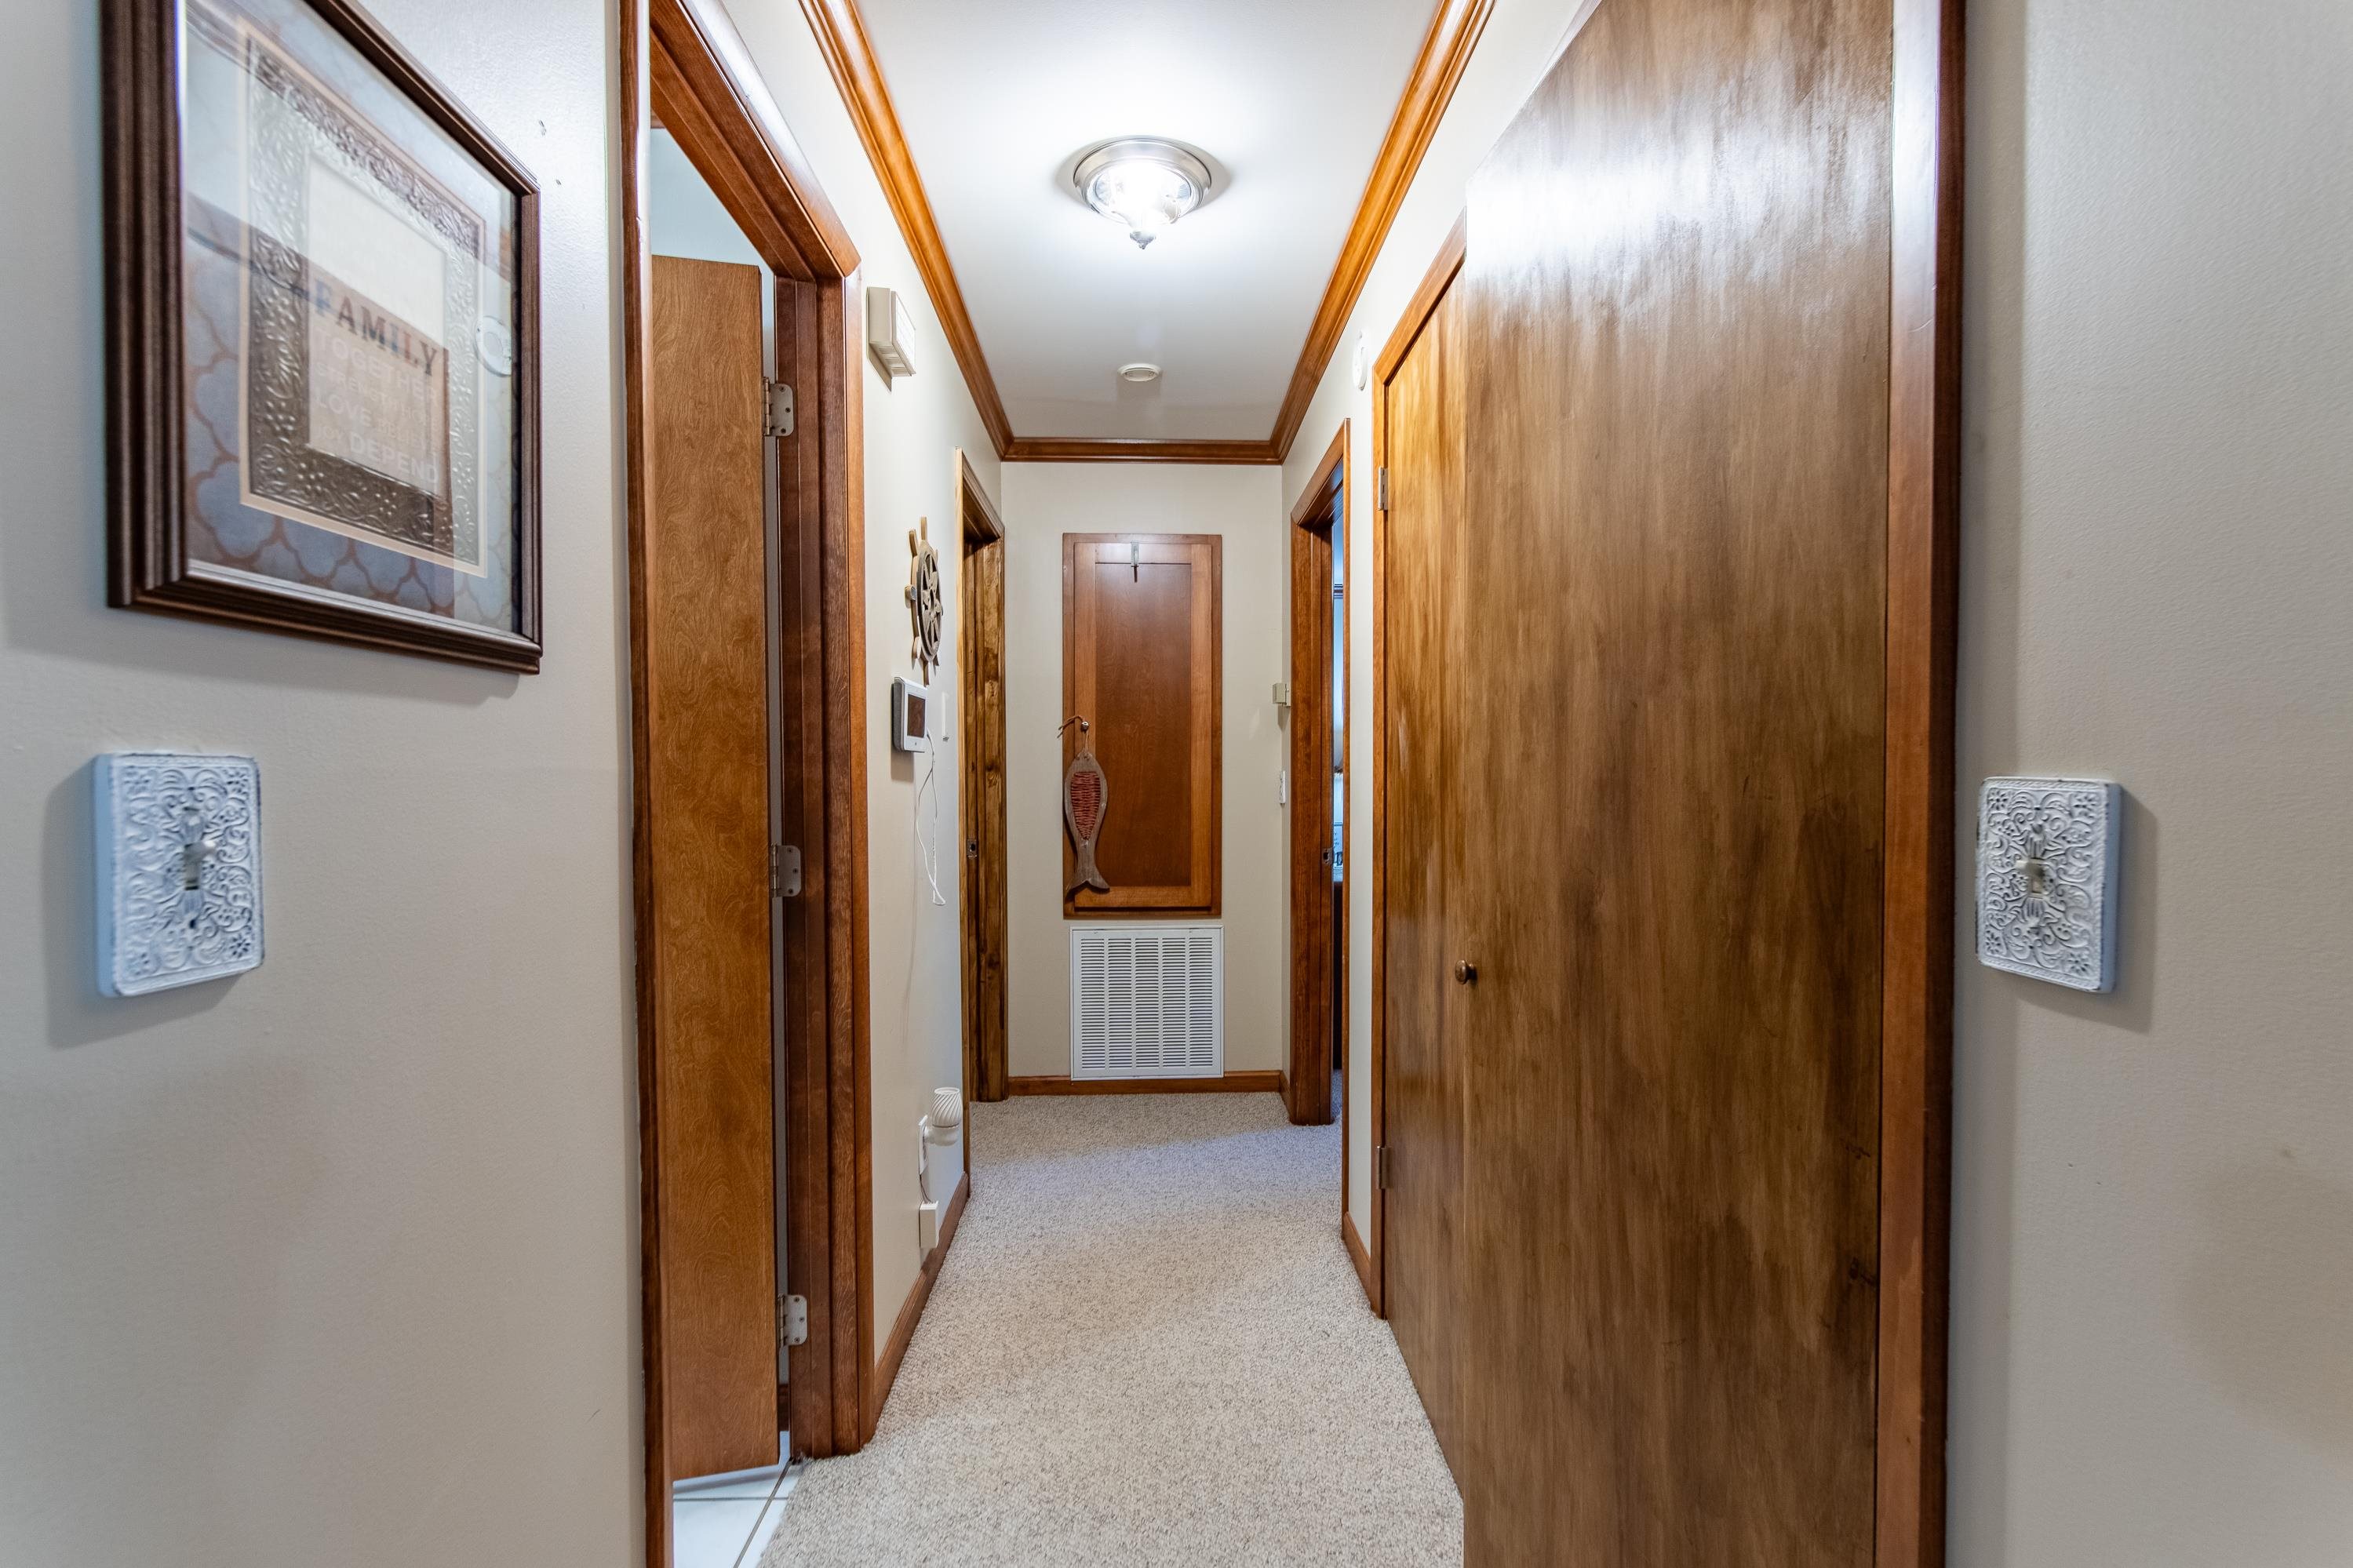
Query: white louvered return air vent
[(1147, 1001)]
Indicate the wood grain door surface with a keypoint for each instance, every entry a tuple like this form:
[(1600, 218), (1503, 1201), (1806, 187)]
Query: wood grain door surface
[(981, 662), (1142, 661), (706, 697), (1671, 748), (1313, 950), (1424, 645)]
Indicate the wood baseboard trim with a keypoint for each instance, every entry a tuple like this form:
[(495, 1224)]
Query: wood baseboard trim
[(1363, 1260), (1062, 1083), (895, 1349)]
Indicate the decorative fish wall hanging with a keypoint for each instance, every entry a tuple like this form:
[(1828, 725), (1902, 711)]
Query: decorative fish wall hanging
[(1086, 800)]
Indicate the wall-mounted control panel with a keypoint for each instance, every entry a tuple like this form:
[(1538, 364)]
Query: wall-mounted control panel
[(912, 722)]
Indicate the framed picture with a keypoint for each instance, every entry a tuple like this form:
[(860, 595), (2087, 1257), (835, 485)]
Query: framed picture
[(322, 335)]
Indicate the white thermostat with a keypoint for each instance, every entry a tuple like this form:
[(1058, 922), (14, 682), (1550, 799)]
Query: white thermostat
[(911, 715), (890, 330)]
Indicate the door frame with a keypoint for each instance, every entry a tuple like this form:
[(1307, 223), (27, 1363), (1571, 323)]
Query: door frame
[(1917, 874), (1318, 530), (681, 65), (984, 923)]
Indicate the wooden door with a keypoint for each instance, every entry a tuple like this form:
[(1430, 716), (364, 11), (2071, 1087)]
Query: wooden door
[(1142, 661), (1671, 749), (1311, 948), (706, 696), (981, 652), (1422, 642)]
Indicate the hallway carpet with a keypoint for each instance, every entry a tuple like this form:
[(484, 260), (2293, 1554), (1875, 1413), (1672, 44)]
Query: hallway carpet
[(1148, 1346)]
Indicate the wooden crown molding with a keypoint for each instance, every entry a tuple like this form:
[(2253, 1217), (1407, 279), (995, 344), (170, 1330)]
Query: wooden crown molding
[(1446, 48), (850, 54), (1099, 449), (1445, 51)]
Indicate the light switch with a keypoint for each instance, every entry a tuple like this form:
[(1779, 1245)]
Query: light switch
[(179, 869), (2047, 855)]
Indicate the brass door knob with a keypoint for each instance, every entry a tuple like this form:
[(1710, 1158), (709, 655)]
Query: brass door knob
[(1465, 973)]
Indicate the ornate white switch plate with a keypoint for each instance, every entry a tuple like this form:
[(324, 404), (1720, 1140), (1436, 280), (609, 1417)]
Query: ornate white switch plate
[(179, 869), (2047, 879)]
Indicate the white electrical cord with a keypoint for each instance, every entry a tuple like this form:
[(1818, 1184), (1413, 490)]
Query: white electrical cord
[(929, 853)]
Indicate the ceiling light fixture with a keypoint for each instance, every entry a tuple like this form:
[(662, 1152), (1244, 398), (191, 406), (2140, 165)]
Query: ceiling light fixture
[(1139, 372), (1142, 184)]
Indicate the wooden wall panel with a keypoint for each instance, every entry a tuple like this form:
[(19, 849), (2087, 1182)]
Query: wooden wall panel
[(707, 712), (1142, 661), (1672, 737)]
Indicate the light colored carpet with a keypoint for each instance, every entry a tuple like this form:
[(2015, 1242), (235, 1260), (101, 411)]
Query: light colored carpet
[(1148, 1346)]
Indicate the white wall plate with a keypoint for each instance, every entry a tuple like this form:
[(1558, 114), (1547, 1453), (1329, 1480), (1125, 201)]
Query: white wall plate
[(179, 869), (2047, 855)]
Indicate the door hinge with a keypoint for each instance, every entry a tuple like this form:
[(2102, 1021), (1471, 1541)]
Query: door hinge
[(780, 409), (1381, 487), (784, 872), (792, 1319), (1381, 1173)]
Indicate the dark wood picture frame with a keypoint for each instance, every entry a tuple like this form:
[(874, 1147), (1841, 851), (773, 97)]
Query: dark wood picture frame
[(149, 566)]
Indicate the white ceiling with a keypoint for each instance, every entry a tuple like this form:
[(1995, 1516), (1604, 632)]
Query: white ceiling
[(1288, 98)]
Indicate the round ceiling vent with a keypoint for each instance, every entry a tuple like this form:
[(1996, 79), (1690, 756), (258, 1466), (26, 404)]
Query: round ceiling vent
[(1139, 372)]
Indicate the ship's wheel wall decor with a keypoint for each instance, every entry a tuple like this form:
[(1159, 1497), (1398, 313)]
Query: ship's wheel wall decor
[(925, 605)]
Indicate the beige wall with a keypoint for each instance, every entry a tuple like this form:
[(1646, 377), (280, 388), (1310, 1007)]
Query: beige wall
[(335, 1261), (912, 430), (2153, 1244), (1044, 502), (2153, 1238)]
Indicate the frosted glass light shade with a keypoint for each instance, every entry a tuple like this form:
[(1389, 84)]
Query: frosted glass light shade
[(1143, 185)]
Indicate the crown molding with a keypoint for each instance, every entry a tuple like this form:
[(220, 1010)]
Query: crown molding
[(850, 54), (1091, 449), (1446, 48)]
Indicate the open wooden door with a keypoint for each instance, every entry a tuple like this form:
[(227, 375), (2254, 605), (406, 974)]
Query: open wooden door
[(705, 693)]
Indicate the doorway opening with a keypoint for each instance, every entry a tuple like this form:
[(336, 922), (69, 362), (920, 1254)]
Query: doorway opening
[(1316, 1080), (980, 664), (749, 762)]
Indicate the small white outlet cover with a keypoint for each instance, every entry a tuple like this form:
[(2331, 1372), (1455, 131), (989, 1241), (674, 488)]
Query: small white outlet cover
[(179, 869), (2047, 857)]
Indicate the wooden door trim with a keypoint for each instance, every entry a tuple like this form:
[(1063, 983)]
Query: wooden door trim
[(1321, 509), (982, 523), (1435, 281), (681, 59), (1924, 423)]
